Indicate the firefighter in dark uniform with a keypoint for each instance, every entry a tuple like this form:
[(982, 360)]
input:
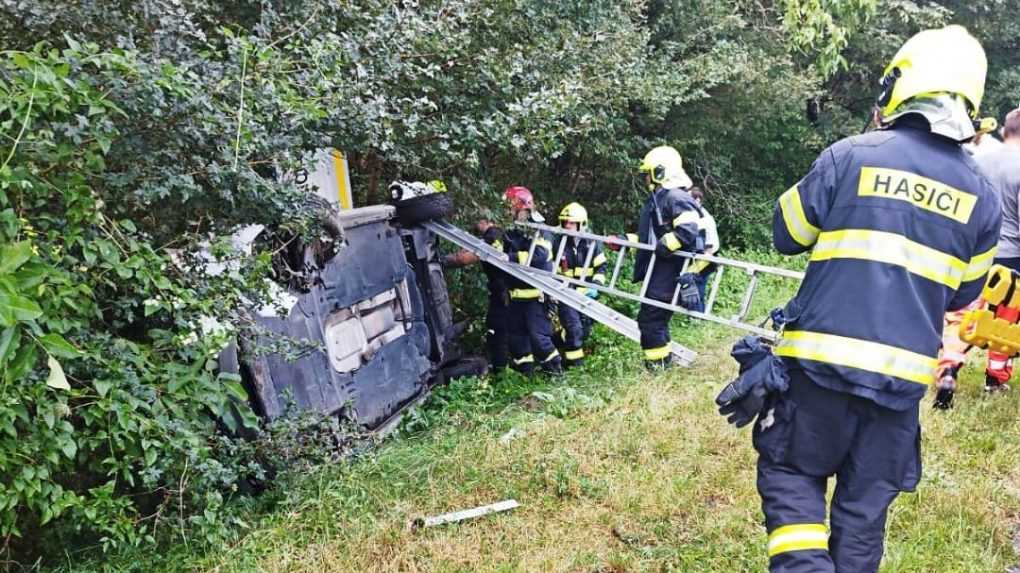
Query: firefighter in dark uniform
[(902, 227), (576, 326), (528, 325), (499, 299), (670, 219)]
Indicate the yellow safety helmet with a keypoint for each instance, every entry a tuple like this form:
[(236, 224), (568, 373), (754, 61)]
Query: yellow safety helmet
[(574, 213), (664, 168), (946, 60)]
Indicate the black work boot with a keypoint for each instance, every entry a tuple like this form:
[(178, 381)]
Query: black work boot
[(660, 364), (526, 369), (568, 363), (553, 367)]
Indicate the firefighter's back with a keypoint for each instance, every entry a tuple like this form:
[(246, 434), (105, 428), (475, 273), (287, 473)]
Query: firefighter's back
[(902, 224)]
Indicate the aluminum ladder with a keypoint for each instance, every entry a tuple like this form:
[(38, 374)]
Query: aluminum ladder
[(552, 285), (738, 320)]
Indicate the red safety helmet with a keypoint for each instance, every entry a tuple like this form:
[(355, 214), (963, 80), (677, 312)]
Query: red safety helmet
[(519, 197)]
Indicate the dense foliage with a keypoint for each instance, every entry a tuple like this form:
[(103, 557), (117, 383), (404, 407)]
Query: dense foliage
[(133, 134)]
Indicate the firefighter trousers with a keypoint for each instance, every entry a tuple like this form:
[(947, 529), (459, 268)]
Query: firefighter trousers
[(530, 335), (810, 434), (653, 321), (496, 331), (576, 328)]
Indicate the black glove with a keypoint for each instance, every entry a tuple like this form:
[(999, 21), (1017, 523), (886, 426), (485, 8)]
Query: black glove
[(740, 401), (761, 373), (690, 298)]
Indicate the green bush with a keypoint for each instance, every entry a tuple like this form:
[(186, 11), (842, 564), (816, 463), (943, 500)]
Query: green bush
[(110, 401)]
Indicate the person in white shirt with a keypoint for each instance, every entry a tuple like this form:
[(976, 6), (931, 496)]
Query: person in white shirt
[(704, 269)]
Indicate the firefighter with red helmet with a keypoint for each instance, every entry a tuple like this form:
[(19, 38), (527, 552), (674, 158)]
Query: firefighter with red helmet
[(529, 328)]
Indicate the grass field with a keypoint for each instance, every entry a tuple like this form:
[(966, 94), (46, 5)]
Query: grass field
[(616, 470)]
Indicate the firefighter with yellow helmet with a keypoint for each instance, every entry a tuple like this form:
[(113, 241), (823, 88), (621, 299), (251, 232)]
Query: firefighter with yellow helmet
[(671, 220), (901, 227), (576, 326)]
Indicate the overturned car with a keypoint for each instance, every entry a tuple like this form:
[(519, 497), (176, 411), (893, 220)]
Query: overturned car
[(375, 323)]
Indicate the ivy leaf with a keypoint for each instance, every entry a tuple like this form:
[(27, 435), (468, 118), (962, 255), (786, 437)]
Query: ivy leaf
[(14, 255), (102, 387), (57, 378), (57, 345)]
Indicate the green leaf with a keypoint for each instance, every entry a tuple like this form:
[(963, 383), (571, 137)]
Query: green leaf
[(69, 447), (9, 339), (23, 361), (57, 379), (236, 390), (18, 307), (102, 387), (21, 60), (31, 275), (14, 255), (58, 346)]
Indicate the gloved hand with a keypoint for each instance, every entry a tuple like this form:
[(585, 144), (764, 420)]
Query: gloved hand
[(741, 400), (591, 293), (690, 298), (614, 246), (761, 373)]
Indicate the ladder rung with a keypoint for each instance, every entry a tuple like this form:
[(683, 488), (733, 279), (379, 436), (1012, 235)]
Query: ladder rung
[(531, 249), (559, 253), (715, 289), (745, 305), (648, 276), (617, 265)]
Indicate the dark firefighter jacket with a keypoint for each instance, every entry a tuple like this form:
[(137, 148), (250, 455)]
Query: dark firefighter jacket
[(670, 219), (497, 278), (575, 251), (901, 227), (516, 244)]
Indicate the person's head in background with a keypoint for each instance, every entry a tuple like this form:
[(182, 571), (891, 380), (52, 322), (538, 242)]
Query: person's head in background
[(483, 225), (1011, 128), (698, 195)]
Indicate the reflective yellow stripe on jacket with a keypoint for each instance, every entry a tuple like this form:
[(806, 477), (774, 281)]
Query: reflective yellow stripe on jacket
[(525, 293), (797, 223), (979, 265), (860, 354), (893, 249)]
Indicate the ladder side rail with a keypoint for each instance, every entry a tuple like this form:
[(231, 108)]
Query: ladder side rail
[(733, 322), (645, 247)]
